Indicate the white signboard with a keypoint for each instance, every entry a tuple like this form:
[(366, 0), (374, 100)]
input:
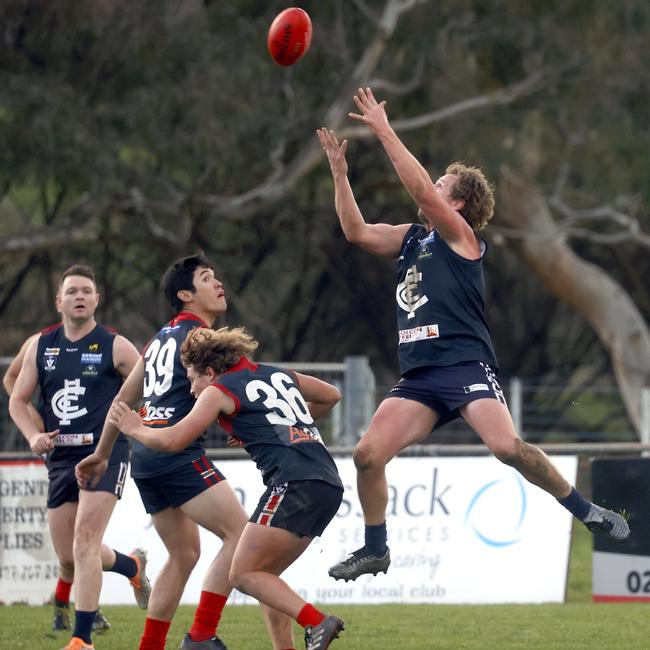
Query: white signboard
[(461, 530), (28, 564)]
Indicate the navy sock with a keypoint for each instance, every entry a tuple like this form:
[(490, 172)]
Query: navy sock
[(576, 504), (124, 565), (83, 624), (375, 537)]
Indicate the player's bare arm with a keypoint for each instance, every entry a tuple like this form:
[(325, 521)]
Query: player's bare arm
[(320, 396), (439, 214), (210, 403), (20, 403), (125, 356), (379, 239), (11, 374)]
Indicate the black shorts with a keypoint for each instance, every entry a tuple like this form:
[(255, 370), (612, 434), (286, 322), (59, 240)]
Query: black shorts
[(301, 507), (177, 487), (444, 389), (63, 486)]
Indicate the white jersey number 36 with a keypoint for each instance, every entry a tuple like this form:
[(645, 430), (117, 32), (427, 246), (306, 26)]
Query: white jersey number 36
[(282, 397)]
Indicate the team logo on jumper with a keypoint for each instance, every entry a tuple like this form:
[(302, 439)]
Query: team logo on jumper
[(93, 347), (408, 292), (419, 334), (65, 401), (50, 355)]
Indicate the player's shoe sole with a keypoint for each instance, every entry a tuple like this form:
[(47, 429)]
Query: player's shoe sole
[(78, 644), (140, 582), (607, 522), (358, 563), (319, 637)]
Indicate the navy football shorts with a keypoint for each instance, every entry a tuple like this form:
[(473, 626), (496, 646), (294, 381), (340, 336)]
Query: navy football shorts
[(63, 483), (177, 487), (445, 389), (301, 507)]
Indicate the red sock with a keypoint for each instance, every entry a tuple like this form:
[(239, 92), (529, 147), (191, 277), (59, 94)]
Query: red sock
[(309, 615), (62, 592), (207, 615), (155, 634)]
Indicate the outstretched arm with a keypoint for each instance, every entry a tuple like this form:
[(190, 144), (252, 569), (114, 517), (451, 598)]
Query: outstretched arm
[(415, 178), (379, 239), (210, 403)]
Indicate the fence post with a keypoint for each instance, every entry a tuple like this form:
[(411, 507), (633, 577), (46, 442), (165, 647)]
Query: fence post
[(516, 405), (358, 397), (644, 417)]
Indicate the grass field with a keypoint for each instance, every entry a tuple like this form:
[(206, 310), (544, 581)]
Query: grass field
[(577, 625)]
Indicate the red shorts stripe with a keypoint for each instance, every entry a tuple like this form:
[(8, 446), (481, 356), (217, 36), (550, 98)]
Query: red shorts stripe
[(208, 474), (269, 509)]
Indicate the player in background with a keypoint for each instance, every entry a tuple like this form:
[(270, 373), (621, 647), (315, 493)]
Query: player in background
[(181, 489), (78, 366), (264, 408), (61, 596), (446, 357)]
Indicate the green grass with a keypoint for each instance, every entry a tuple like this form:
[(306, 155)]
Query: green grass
[(576, 625)]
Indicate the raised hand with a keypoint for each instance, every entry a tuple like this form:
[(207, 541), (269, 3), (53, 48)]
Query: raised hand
[(335, 152), (373, 113)]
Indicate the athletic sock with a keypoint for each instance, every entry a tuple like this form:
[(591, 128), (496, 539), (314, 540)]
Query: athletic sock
[(207, 615), (309, 615), (154, 635), (375, 538), (83, 625), (62, 593), (124, 565), (576, 504)]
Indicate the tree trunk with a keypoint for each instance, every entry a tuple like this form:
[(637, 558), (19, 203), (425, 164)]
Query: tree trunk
[(587, 288)]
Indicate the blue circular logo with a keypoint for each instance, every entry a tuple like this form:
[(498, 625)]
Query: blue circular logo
[(484, 493)]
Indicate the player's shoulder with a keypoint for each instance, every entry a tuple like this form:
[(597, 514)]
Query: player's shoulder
[(50, 329)]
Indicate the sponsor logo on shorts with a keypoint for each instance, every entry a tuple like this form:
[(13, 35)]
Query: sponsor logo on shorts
[(419, 333), (494, 383), (474, 387)]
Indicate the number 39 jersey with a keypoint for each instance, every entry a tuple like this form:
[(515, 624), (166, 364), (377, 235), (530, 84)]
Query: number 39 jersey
[(273, 421), (167, 397)]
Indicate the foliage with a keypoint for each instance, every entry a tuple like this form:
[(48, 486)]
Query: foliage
[(133, 133)]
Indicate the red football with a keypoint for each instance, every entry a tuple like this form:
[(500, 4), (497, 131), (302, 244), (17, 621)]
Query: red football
[(289, 36)]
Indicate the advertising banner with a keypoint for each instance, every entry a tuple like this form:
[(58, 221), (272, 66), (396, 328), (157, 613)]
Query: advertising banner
[(461, 530)]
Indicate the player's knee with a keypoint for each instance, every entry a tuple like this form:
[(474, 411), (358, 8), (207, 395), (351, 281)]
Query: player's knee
[(238, 580), (509, 452), (366, 458), (185, 557)]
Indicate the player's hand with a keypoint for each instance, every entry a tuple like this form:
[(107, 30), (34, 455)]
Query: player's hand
[(43, 443), (373, 113), (231, 441), (124, 418), (335, 152), (90, 470)]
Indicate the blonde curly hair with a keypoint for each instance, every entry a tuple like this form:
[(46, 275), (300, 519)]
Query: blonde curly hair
[(219, 349), (475, 191)]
